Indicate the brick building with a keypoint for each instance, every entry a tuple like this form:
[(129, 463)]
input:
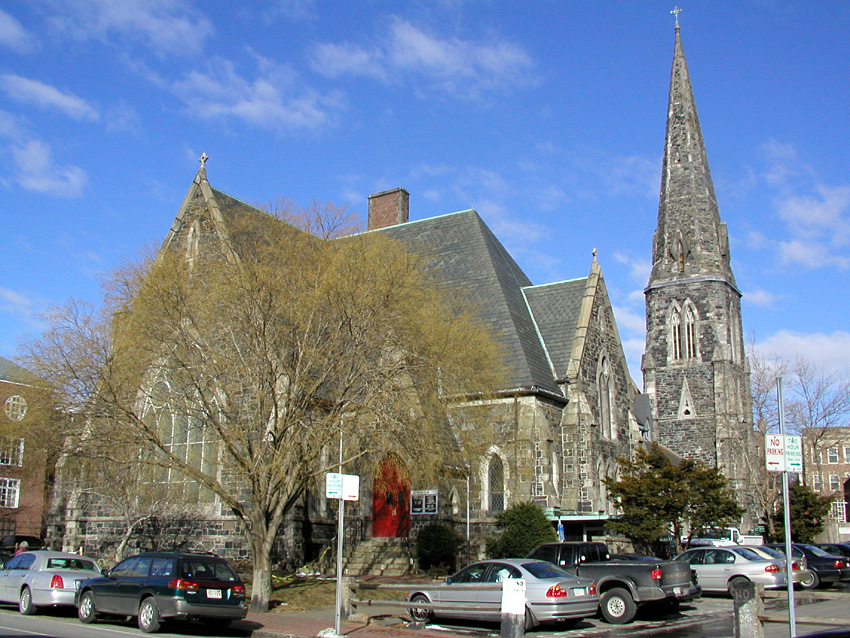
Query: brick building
[(826, 469), (22, 462)]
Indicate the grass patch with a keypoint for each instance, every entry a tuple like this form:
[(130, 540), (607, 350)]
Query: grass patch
[(292, 593)]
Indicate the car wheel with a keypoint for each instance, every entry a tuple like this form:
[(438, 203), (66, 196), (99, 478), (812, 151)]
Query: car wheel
[(25, 603), (420, 614), (86, 612), (149, 619), (811, 581), (617, 606)]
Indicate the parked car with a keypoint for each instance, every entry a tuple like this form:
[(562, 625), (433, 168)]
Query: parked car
[(551, 594), (827, 569), (836, 549), (154, 586), (44, 579), (800, 573), (624, 585), (718, 568)]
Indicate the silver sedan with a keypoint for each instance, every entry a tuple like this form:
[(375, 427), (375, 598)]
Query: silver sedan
[(718, 568), (551, 594), (44, 578)]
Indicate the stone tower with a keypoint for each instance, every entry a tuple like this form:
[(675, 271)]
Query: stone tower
[(694, 368)]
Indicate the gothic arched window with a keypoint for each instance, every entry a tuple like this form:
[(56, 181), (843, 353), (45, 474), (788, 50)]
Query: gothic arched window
[(496, 484), (606, 399), (676, 335), (680, 255), (690, 333)]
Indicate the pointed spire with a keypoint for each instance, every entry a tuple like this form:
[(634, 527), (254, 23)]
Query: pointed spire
[(690, 239)]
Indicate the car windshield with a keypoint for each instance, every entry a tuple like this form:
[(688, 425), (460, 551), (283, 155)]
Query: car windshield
[(747, 553), (70, 563), (207, 569), (545, 570), (771, 552)]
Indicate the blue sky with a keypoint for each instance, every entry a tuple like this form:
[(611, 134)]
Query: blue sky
[(547, 117)]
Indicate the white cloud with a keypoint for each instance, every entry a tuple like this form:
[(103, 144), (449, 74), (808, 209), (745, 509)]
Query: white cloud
[(639, 268), (633, 174), (462, 68), (334, 60), (273, 99), (760, 297), (830, 351), (826, 213), (37, 172), (810, 254), (166, 27), (46, 97), (14, 36)]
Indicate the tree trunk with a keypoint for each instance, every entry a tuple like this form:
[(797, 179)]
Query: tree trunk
[(261, 587)]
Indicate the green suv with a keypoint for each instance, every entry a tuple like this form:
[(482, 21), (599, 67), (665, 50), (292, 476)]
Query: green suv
[(154, 586)]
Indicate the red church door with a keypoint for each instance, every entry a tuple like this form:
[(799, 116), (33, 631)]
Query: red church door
[(391, 498)]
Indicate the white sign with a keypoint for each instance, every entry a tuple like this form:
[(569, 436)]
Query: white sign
[(344, 486), (793, 453), (774, 452), (783, 453)]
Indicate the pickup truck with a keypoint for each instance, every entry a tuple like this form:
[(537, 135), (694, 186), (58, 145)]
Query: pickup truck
[(623, 585)]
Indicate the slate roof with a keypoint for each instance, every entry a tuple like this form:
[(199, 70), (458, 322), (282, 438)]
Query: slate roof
[(12, 372), (535, 326), (555, 308), (470, 259)]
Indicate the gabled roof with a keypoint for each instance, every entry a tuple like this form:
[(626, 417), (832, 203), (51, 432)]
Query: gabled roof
[(536, 327), (13, 373), (555, 308), (470, 259)]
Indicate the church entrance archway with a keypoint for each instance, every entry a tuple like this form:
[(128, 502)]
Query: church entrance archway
[(391, 498)]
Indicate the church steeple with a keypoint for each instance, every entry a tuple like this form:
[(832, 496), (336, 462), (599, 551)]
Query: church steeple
[(690, 240), (695, 370)]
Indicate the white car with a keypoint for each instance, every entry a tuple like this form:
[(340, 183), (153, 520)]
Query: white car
[(44, 578)]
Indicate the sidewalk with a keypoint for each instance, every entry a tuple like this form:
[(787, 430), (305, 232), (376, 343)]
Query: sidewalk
[(309, 624)]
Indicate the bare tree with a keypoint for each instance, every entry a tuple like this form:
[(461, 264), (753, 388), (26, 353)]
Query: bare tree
[(815, 400), (765, 371), (237, 368)]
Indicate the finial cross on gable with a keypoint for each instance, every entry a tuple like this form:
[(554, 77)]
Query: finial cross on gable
[(676, 11), (203, 160)]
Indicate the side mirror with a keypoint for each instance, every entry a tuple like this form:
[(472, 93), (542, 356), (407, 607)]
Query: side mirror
[(448, 580)]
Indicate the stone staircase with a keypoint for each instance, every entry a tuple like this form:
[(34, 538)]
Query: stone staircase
[(378, 557)]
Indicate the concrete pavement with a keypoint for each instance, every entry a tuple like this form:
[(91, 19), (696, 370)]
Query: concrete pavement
[(717, 612)]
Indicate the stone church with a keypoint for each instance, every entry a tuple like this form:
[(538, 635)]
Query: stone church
[(570, 407), (695, 371)]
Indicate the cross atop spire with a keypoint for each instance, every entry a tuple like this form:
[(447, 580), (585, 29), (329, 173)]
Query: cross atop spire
[(203, 160), (676, 11)]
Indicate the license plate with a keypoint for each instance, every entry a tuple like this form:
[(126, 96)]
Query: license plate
[(213, 593), (580, 591), (677, 591)]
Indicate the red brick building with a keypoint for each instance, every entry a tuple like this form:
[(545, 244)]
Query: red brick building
[(22, 462)]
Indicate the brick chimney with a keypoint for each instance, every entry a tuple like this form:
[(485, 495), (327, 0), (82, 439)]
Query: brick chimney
[(388, 208)]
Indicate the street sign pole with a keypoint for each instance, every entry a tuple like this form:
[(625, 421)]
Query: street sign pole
[(786, 502), (339, 531)]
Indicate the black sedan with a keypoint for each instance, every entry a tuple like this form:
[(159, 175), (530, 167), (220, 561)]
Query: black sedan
[(836, 549), (826, 568)]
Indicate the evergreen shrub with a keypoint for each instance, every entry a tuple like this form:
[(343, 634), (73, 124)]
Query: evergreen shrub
[(524, 527), (437, 547)]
